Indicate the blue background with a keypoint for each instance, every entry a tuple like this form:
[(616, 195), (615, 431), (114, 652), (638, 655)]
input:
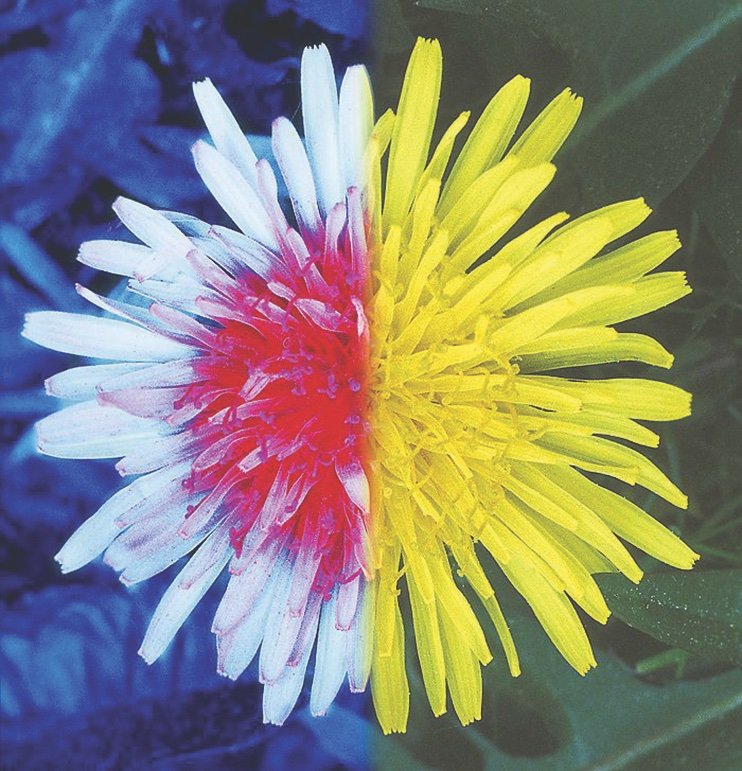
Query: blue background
[(98, 103)]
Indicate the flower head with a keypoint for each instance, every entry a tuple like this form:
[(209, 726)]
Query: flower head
[(336, 408), (239, 397), (475, 450)]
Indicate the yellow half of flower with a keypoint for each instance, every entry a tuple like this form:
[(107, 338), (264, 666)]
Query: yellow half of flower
[(475, 450)]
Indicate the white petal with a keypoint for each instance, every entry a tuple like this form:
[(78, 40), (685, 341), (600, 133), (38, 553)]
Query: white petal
[(216, 548), (164, 267), (348, 595), (357, 235), (182, 324), (245, 251), (153, 228), (157, 554), (281, 631), (355, 124), (160, 403), (170, 494), (134, 313), (181, 294), (179, 600), (354, 480), (210, 272), (285, 623), (237, 648), (296, 495), (214, 249), (303, 574), (331, 664), (215, 449), (100, 338), (335, 224), (142, 566), (89, 430), (244, 589), (279, 698), (322, 314), (160, 265), (361, 641), (158, 453), (278, 643), (319, 104), (292, 160), (81, 382), (268, 189), (299, 249), (117, 257), (209, 510), (97, 532), (363, 328), (275, 500), (233, 193), (187, 224), (224, 129), (172, 373), (160, 553), (308, 631)]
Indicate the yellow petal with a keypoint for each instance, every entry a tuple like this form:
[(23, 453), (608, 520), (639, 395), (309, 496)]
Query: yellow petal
[(541, 140), (488, 140), (413, 128)]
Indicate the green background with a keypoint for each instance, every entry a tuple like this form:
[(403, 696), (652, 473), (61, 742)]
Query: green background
[(661, 120)]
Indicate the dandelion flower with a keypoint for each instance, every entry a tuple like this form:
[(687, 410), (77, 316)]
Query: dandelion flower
[(239, 398), (362, 400), (474, 450)]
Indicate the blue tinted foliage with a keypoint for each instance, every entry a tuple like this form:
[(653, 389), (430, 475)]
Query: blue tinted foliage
[(97, 103)]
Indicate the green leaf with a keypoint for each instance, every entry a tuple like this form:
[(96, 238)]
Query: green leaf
[(391, 34), (699, 612), (656, 78), (716, 190)]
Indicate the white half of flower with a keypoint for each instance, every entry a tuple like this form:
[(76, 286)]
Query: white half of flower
[(149, 355)]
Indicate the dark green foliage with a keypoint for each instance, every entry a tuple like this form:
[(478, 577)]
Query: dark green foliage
[(700, 613), (662, 120)]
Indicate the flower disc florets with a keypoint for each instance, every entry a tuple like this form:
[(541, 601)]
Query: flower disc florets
[(277, 406)]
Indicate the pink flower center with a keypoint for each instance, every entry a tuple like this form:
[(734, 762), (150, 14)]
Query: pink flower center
[(278, 406)]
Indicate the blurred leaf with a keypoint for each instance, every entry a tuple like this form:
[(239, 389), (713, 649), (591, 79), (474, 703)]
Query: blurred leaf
[(63, 95), (186, 731), (33, 203), (700, 612), (673, 658), (17, 368), (717, 189), (157, 168), (37, 267), (74, 687), (391, 30), (73, 648), (27, 13), (26, 403), (656, 78), (340, 17), (343, 734)]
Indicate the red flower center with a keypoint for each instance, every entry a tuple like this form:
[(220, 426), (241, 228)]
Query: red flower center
[(280, 403)]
